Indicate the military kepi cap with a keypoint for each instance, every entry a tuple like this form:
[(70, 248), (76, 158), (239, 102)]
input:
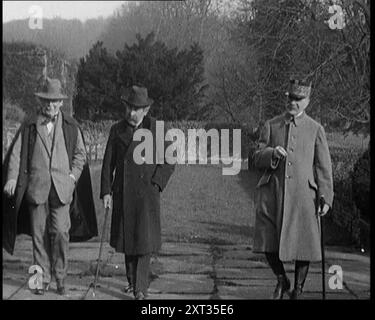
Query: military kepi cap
[(299, 89)]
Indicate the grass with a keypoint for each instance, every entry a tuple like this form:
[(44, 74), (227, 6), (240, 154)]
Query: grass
[(201, 205)]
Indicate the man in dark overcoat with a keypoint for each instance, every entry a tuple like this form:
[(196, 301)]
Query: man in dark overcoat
[(47, 184), (135, 187), (294, 157)]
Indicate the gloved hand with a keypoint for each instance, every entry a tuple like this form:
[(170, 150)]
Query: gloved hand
[(279, 152), (10, 187), (323, 211), (107, 201)]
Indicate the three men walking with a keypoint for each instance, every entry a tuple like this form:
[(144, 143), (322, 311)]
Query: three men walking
[(50, 195)]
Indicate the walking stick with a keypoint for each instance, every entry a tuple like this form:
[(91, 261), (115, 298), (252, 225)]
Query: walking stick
[(320, 217), (20, 287), (93, 284)]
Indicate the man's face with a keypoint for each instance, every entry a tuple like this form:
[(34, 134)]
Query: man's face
[(50, 108), (295, 106), (135, 115)]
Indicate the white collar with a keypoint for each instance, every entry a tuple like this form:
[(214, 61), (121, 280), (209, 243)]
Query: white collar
[(297, 115), (138, 124)]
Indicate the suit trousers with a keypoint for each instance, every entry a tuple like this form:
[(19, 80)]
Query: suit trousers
[(137, 271), (50, 224)]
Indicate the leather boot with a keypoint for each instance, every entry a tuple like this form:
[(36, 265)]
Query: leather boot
[(60, 287), (300, 273), (129, 289), (283, 285), (140, 295), (43, 290)]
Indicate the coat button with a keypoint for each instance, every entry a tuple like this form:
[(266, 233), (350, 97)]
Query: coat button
[(25, 171), (289, 163), (287, 177)]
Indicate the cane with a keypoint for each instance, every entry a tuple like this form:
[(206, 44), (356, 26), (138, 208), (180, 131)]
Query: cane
[(320, 217), (21, 286), (93, 284)]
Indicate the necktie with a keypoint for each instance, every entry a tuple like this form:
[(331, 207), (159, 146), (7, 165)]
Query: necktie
[(49, 119), (290, 118), (50, 123)]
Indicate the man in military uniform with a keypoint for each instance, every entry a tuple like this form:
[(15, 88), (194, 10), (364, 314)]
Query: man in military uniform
[(135, 188), (294, 157)]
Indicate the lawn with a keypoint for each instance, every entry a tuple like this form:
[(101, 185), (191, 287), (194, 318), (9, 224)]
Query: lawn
[(201, 205)]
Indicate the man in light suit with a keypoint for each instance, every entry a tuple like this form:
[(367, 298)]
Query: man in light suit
[(45, 162), (294, 157)]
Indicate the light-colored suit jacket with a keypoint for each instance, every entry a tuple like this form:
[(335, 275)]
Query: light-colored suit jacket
[(50, 164)]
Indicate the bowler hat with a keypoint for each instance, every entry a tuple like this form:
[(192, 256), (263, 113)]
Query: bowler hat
[(51, 90), (299, 89), (136, 96)]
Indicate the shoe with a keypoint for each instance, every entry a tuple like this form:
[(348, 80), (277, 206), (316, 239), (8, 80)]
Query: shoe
[(296, 293), (300, 273), (128, 289), (43, 290), (140, 296), (283, 285), (60, 287)]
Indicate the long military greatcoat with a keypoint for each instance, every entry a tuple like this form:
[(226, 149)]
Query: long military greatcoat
[(135, 225), (287, 192), (16, 215)]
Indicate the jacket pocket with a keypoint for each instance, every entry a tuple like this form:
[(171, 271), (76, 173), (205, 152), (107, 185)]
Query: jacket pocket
[(265, 178)]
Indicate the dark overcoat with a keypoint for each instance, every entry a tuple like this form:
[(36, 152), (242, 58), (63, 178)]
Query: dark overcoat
[(287, 192), (135, 225), (16, 215)]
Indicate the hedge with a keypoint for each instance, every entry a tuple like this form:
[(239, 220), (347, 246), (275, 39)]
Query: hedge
[(344, 212)]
